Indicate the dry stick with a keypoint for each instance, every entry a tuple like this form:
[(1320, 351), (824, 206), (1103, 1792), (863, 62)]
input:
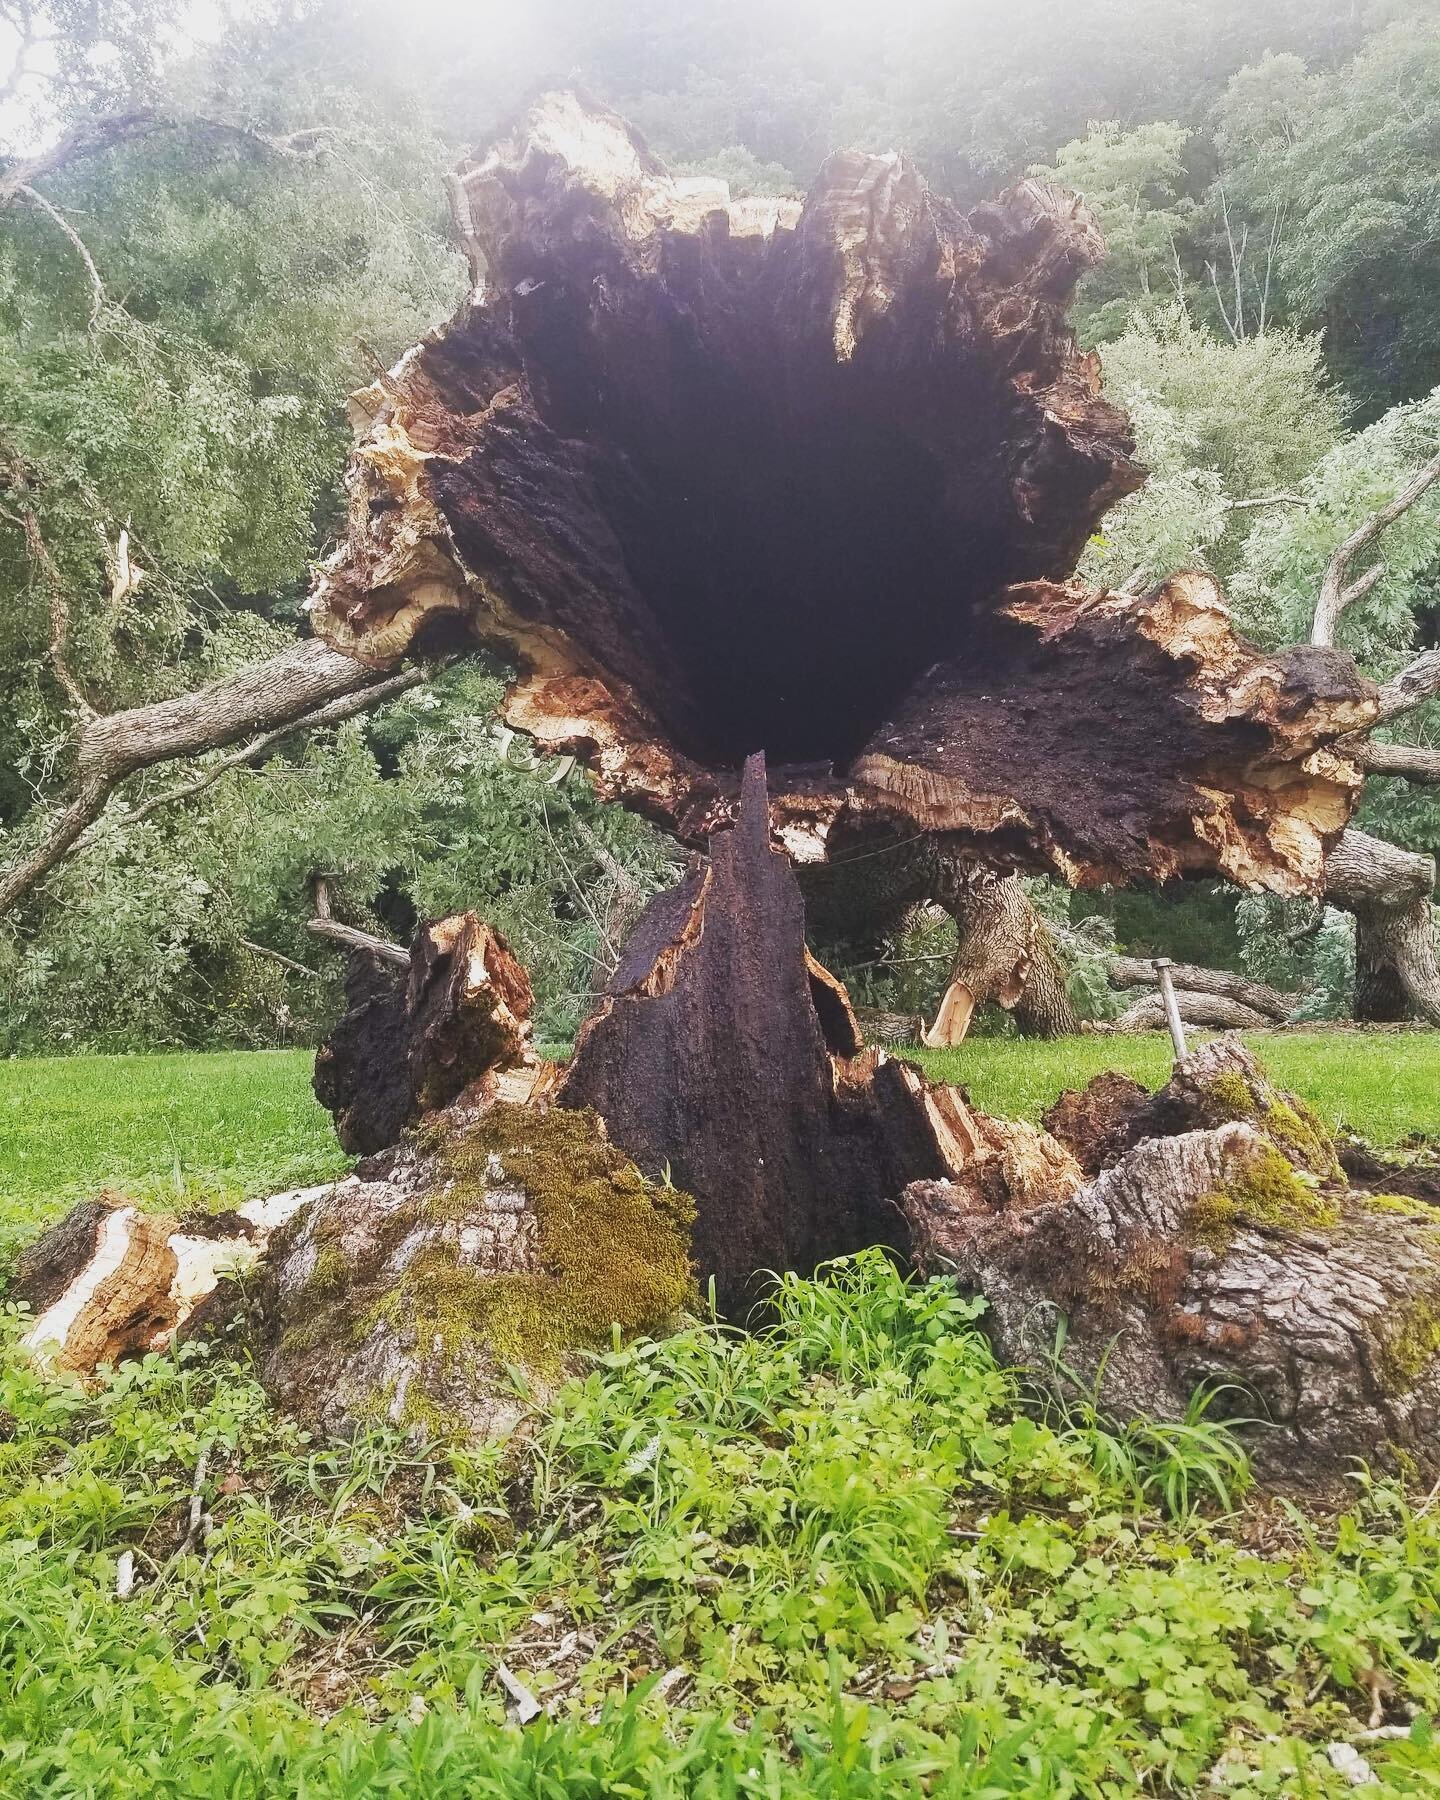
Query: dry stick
[(1337, 591), (352, 939), (199, 1528), (285, 962)]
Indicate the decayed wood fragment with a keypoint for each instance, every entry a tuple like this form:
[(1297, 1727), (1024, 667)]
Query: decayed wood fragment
[(408, 1046), (726, 475), (110, 1281)]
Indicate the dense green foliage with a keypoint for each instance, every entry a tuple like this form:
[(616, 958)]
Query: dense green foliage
[(839, 1558), (1267, 174)]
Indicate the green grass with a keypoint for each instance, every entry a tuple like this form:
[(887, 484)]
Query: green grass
[(839, 1559), (174, 1130), (1385, 1086)]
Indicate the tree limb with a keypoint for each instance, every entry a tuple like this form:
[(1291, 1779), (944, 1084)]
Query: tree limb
[(77, 243), (1134, 971), (279, 691), (334, 712), (1413, 762), (1337, 591), (1412, 687)]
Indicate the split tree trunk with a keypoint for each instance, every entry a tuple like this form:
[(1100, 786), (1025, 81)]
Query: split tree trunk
[(726, 1058)]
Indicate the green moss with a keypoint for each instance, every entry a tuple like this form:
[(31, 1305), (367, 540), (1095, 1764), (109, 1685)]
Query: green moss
[(1404, 1205), (1266, 1192), (1212, 1221), (330, 1276), (1229, 1093), (1301, 1135), (1408, 1341), (613, 1249)]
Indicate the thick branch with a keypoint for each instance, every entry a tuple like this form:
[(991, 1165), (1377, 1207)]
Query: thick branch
[(263, 696), (1412, 687), (1389, 890), (44, 562), (1337, 591), (1218, 1012), (1414, 762), (334, 713)]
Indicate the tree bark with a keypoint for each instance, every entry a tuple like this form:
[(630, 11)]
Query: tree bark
[(459, 1024), (724, 1056), (1390, 891), (1005, 956), (264, 697), (1218, 1012), (1135, 971)]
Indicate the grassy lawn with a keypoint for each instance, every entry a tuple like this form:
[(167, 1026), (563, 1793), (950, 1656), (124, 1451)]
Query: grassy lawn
[(1385, 1086), (180, 1129)]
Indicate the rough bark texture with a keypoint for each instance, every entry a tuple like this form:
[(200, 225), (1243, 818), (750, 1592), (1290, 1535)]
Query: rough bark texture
[(724, 1053), (1391, 893), (1004, 955), (1258, 996), (409, 1046), (264, 699), (1200, 1259), (720, 475), (1214, 1011)]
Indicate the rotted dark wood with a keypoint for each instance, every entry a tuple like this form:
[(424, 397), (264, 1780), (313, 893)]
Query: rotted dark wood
[(723, 1054), (410, 1046), (717, 474)]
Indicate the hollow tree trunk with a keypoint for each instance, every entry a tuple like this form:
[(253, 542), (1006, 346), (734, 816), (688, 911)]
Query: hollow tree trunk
[(1390, 891), (723, 474)]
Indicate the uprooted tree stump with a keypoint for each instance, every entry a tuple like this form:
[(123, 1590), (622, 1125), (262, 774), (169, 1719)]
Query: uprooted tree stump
[(719, 477), (1218, 1245)]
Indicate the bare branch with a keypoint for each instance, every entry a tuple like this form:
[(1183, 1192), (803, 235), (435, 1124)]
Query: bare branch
[(1413, 762), (77, 243), (1262, 500), (333, 712), (353, 939), (276, 956), (1412, 687), (1337, 591)]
